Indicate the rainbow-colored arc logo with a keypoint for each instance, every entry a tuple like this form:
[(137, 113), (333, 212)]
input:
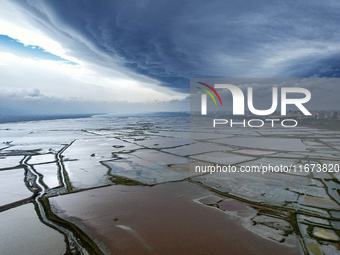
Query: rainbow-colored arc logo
[(209, 93)]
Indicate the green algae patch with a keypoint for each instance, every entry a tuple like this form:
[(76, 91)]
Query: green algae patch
[(125, 181), (314, 248), (326, 234)]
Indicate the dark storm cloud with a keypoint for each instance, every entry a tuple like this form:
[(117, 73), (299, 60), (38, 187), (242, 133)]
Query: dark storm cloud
[(171, 41)]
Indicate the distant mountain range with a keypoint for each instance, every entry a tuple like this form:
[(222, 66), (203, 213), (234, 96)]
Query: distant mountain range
[(5, 111), (9, 115)]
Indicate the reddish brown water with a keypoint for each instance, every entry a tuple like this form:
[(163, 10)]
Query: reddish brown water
[(160, 220)]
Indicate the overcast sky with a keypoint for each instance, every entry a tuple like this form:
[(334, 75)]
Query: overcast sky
[(70, 56)]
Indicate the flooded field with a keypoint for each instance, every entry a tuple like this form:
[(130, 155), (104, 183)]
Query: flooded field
[(163, 219), (126, 185)]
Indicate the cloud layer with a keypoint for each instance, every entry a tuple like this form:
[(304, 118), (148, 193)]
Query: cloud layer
[(156, 46), (174, 40)]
